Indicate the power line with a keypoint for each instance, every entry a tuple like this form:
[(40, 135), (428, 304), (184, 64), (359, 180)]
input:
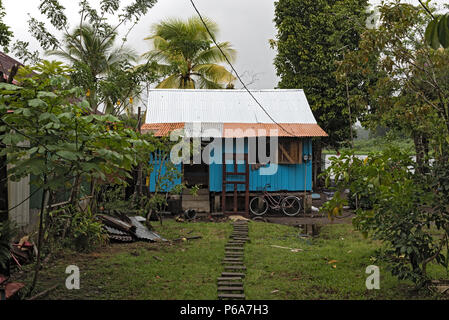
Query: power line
[(236, 73), (427, 9)]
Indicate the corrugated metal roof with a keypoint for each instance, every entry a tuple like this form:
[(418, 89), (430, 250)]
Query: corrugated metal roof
[(228, 106)]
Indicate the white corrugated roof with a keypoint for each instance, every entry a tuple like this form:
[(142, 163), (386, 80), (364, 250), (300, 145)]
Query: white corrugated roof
[(228, 106)]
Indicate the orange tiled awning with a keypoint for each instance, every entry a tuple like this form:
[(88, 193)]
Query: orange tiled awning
[(161, 129), (244, 130)]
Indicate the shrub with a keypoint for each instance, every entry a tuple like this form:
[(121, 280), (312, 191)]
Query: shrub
[(403, 209)]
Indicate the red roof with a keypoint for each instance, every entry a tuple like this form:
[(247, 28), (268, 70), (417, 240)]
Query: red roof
[(243, 130)]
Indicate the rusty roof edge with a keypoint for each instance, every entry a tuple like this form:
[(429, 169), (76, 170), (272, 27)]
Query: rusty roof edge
[(302, 129)]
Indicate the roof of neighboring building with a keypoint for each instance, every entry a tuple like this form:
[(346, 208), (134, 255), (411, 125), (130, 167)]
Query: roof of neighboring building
[(6, 63), (229, 111)]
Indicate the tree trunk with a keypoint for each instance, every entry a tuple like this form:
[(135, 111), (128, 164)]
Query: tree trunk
[(316, 162), (44, 204), (421, 149)]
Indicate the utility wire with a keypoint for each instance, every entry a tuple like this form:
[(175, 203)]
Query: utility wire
[(17, 205), (427, 9), (236, 73)]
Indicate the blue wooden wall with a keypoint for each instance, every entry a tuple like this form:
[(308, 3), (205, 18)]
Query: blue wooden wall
[(288, 177)]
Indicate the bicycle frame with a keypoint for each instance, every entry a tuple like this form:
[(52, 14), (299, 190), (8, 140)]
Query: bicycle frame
[(272, 202)]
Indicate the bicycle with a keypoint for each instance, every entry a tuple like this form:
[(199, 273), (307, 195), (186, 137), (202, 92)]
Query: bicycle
[(290, 205)]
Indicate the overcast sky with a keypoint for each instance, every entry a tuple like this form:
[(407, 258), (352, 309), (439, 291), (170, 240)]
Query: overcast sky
[(247, 24)]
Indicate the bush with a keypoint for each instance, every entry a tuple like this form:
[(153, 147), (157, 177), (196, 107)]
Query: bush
[(7, 232), (74, 229), (404, 209)]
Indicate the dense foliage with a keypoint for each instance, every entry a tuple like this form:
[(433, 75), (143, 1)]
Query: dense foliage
[(5, 33), (404, 209), (312, 37), (101, 65)]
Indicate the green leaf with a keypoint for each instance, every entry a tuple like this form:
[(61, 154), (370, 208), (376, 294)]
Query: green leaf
[(46, 94), (10, 87), (37, 103), (67, 155), (443, 31)]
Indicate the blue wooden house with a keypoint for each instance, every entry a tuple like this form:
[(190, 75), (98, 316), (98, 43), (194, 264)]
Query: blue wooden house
[(232, 128)]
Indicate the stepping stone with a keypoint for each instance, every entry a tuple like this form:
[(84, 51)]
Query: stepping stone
[(235, 267), (230, 288), (234, 259), (234, 248), (231, 296), (228, 283), (236, 244), (229, 279), (233, 254), (233, 274), (232, 262)]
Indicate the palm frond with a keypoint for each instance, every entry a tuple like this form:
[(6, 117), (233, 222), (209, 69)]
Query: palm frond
[(213, 54), (171, 82), (214, 72)]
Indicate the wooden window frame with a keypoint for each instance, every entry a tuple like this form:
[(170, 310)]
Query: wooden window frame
[(290, 150)]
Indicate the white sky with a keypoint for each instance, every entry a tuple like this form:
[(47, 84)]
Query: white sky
[(247, 24)]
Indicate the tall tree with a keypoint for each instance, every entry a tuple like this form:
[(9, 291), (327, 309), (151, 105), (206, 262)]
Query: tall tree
[(93, 56), (412, 92), (5, 33), (313, 35), (186, 55), (103, 70)]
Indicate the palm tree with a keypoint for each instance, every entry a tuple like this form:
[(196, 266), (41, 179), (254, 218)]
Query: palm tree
[(93, 56), (186, 56)]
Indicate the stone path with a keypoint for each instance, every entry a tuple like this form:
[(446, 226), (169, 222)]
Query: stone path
[(230, 283)]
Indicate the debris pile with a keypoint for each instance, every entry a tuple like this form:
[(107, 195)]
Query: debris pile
[(128, 229)]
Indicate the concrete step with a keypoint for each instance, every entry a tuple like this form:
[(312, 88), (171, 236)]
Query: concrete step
[(233, 288), (234, 248), (235, 267), (233, 254), (231, 296), (233, 274), (229, 283), (197, 198), (234, 263), (229, 279), (199, 206)]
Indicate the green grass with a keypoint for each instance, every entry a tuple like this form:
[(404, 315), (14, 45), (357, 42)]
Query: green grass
[(188, 270), (365, 146)]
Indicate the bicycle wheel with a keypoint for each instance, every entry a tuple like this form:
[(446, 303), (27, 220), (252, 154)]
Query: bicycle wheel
[(291, 205), (258, 206)]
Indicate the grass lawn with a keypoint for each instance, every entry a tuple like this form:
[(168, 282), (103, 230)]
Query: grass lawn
[(365, 146), (188, 270)]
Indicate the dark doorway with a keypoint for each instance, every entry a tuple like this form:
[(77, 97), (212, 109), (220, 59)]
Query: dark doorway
[(196, 174)]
